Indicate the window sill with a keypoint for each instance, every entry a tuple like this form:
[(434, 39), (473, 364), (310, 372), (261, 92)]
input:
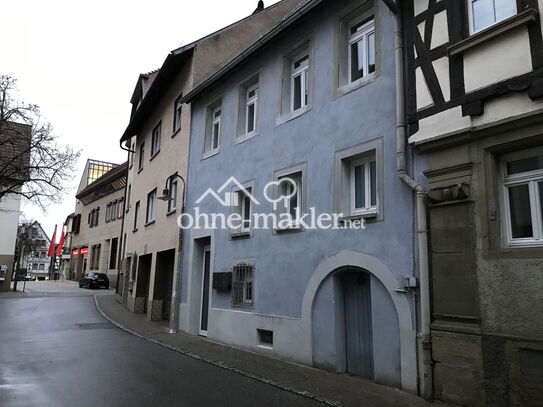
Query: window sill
[(245, 137), (176, 132), (150, 223), (524, 244), (352, 86), (526, 17), (140, 170), (292, 115), (171, 212), (237, 235), (290, 228), (154, 155), (211, 153), (242, 305), (134, 230)]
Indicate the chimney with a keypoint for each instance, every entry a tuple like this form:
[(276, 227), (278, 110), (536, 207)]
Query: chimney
[(259, 8)]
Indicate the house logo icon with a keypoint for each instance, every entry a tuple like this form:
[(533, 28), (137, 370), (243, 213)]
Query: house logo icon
[(229, 197)]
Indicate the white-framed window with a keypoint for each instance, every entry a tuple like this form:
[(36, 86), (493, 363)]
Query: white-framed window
[(151, 206), (213, 128), (522, 174), (120, 208), (245, 210), (251, 109), (363, 185), (141, 157), (361, 52), (242, 284), (291, 188), (485, 13), (242, 205), (136, 213), (155, 140), (299, 78), (172, 202), (177, 111)]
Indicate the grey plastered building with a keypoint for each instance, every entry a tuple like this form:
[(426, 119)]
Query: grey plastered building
[(475, 106), (299, 103), (157, 138)]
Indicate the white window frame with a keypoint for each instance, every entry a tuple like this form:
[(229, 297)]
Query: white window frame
[(238, 204), (532, 179), (471, 16), (215, 121), (150, 213), (244, 200), (248, 102), (136, 214), (177, 112), (172, 202), (362, 35), (368, 207), (303, 72), (141, 157), (243, 300), (155, 139), (297, 177)]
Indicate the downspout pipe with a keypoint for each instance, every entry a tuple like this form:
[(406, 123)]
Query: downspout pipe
[(121, 240), (176, 295), (424, 338)]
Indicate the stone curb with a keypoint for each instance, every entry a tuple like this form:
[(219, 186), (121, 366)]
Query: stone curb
[(220, 364)]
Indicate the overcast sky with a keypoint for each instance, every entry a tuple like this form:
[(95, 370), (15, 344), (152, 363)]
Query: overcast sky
[(79, 61)]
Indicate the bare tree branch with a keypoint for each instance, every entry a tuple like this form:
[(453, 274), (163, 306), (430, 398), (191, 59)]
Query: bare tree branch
[(32, 162)]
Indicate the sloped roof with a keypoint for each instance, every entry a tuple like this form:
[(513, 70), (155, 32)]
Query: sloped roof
[(175, 60), (301, 9), (107, 184)]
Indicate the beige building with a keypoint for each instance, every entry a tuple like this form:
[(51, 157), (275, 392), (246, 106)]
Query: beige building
[(475, 113), (158, 136), (97, 219)]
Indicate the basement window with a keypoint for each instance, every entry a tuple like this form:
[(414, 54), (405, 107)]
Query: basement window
[(265, 337)]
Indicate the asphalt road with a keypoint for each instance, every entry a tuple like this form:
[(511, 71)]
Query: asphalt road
[(56, 350)]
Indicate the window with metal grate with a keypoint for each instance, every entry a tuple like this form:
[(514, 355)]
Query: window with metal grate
[(242, 285)]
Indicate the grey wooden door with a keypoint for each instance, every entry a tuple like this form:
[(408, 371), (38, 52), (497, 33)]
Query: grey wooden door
[(358, 331), (204, 313)]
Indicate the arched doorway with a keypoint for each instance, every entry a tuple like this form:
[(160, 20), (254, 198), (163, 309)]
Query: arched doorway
[(392, 325), (355, 327)]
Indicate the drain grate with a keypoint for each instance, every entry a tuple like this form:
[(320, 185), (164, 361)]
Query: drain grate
[(95, 325)]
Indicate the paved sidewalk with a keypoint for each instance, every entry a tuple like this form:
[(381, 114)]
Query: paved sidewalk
[(326, 387)]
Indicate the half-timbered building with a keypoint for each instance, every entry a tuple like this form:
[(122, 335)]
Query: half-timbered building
[(475, 113)]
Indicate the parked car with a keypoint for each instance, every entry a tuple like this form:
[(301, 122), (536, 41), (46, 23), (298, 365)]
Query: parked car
[(30, 277), (93, 280)]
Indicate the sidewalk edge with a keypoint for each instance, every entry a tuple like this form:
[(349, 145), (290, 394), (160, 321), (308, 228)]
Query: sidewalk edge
[(219, 364)]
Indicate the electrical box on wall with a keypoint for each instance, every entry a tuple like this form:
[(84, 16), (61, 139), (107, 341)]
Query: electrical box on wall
[(222, 281)]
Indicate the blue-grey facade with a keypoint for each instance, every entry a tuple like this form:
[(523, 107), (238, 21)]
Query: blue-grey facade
[(298, 284)]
